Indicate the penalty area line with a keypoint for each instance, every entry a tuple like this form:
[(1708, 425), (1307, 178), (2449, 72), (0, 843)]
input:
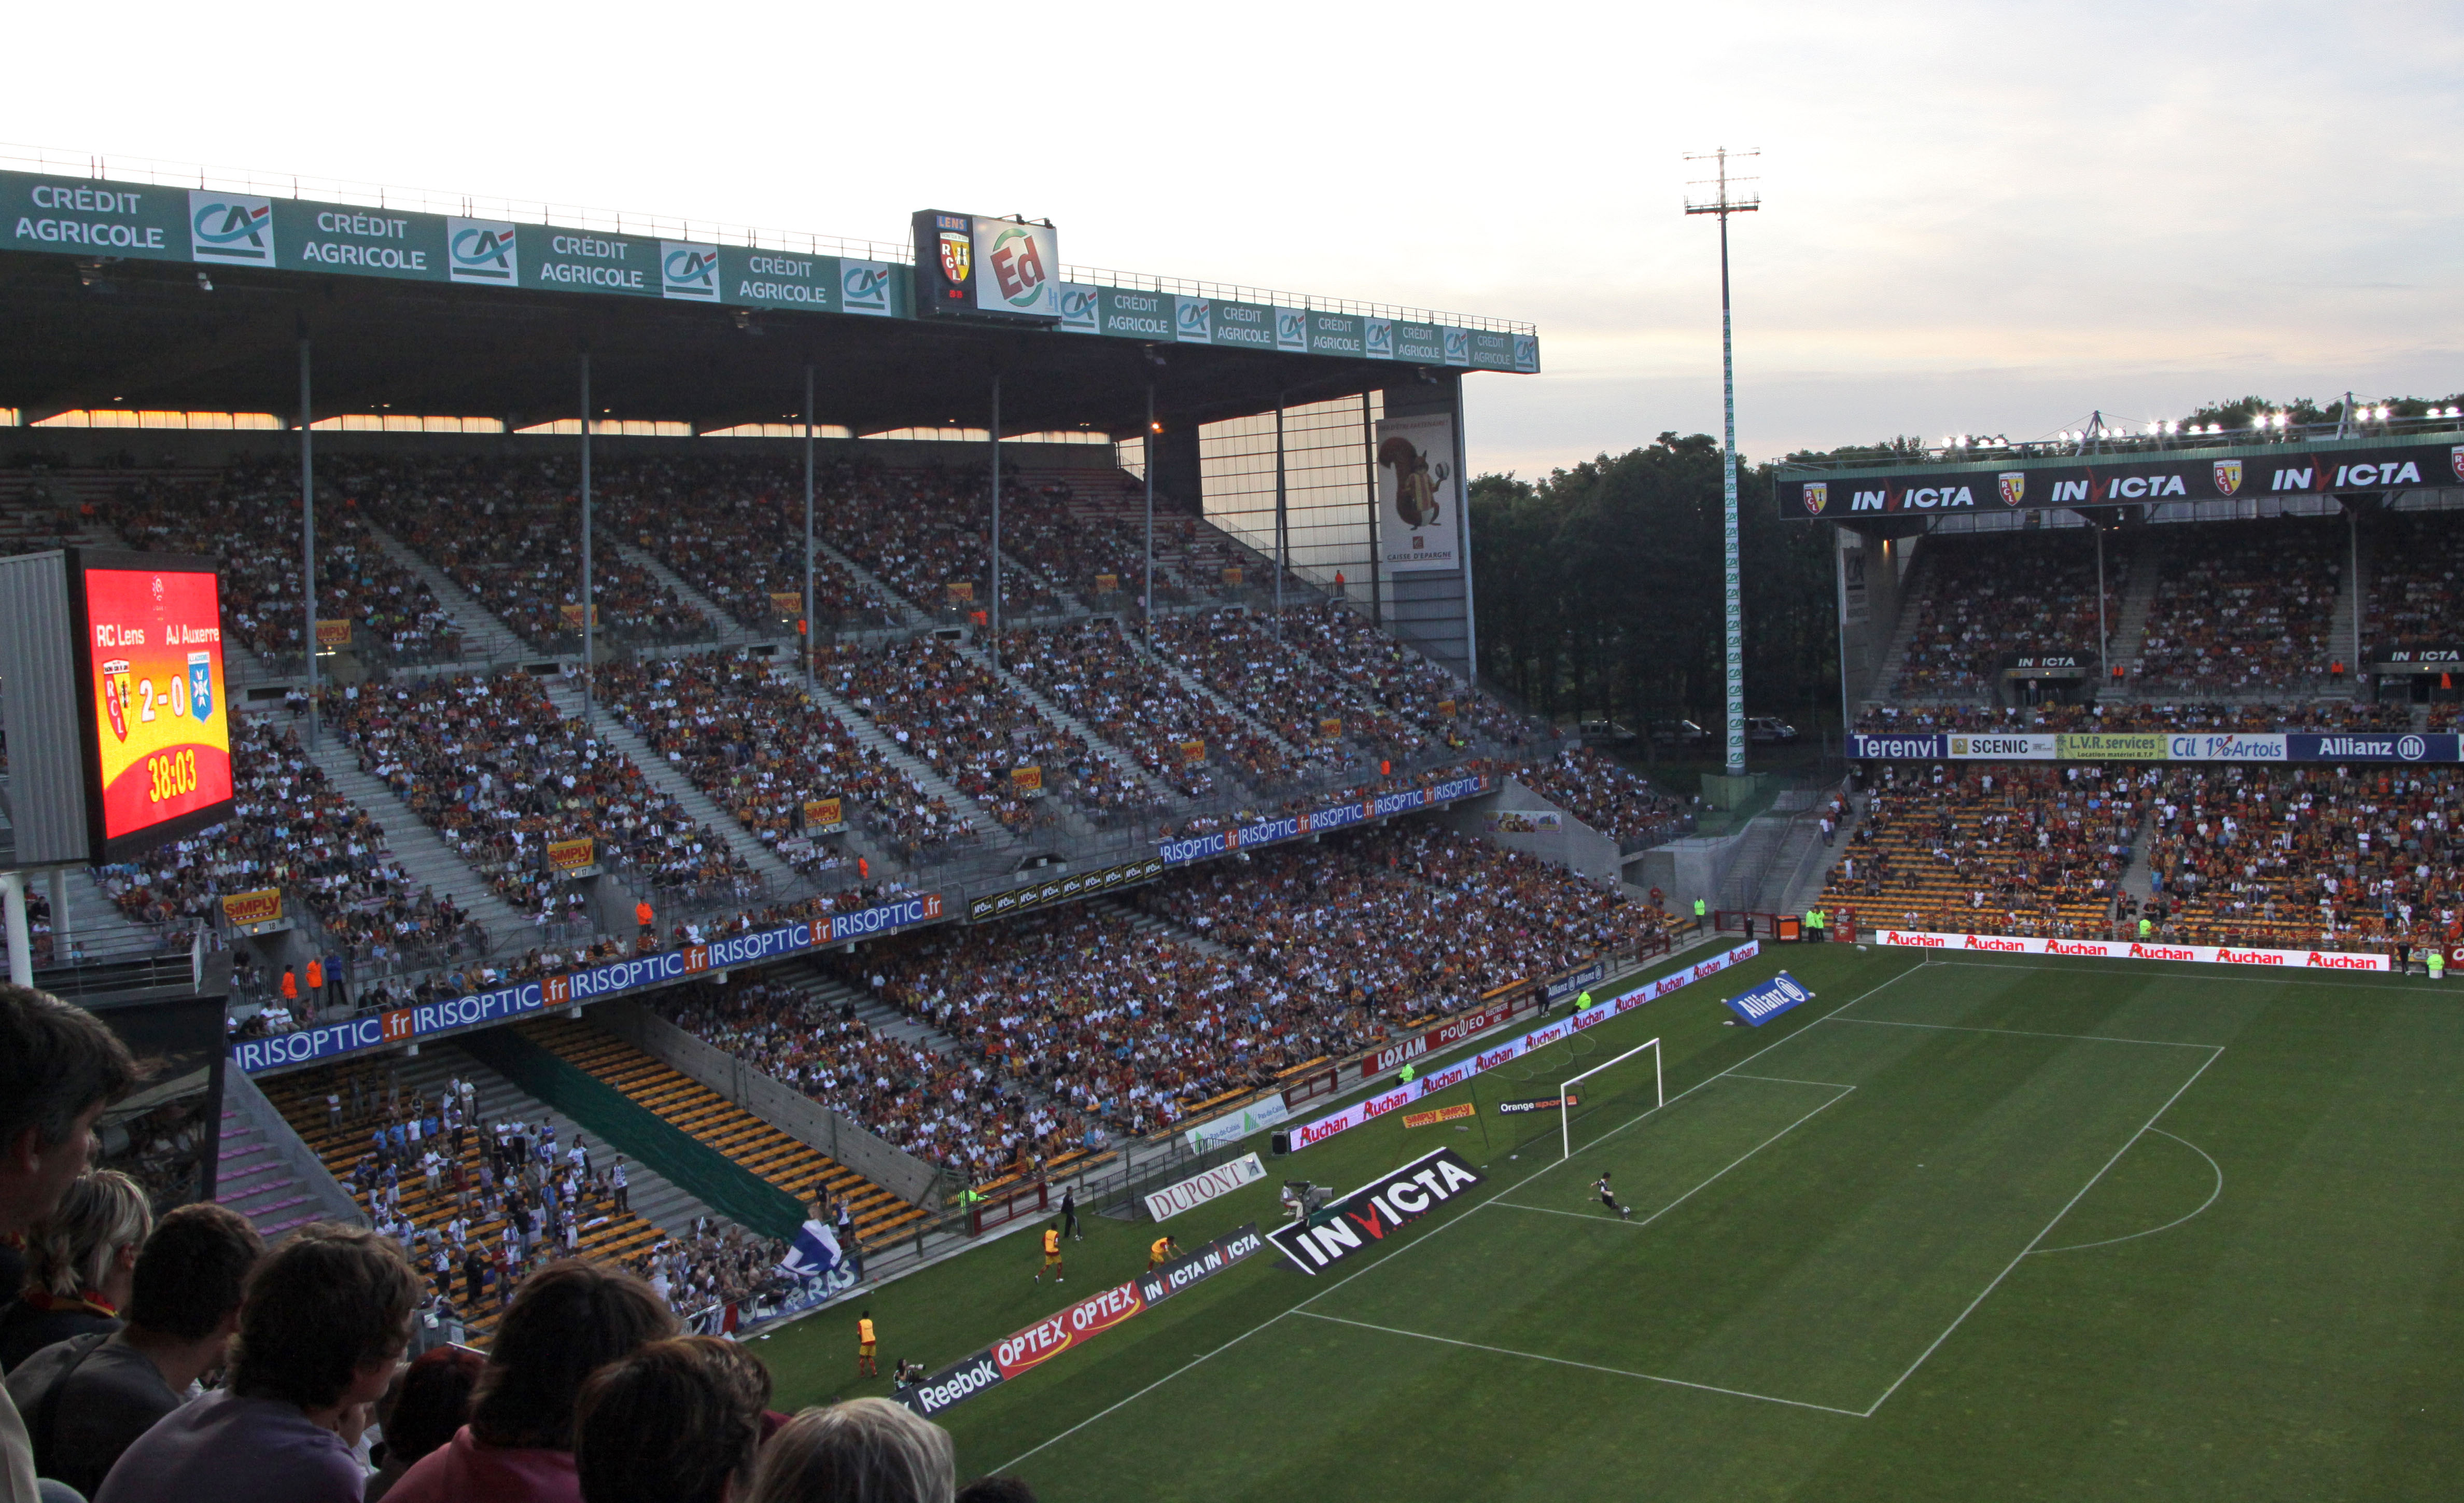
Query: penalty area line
[(1591, 1367)]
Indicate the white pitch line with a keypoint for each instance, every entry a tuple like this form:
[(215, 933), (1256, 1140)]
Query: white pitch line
[(1784, 1080), (1637, 1226), (1594, 1367), (2025, 1033), (2258, 975), (2093, 1180), (2082, 1246)]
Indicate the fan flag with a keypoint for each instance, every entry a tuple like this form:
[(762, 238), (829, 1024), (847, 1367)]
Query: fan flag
[(814, 1253)]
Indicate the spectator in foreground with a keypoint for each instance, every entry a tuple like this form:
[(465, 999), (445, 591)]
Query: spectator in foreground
[(676, 1422), (59, 1067), (86, 1400), (430, 1401), (567, 1321), (322, 1327), (79, 1262), (865, 1451)]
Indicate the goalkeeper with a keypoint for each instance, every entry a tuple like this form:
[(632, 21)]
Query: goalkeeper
[(1608, 1197)]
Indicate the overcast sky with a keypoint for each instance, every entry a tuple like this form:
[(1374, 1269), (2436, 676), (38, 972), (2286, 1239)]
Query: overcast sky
[(1990, 218)]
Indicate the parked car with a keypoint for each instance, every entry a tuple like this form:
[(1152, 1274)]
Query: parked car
[(1768, 730), (1608, 732), (1679, 733)]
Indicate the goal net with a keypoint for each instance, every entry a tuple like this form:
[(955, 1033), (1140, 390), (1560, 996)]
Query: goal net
[(1630, 1065)]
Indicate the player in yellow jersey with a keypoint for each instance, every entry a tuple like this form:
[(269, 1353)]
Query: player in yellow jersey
[(864, 1347), (1052, 1256), (1161, 1252)]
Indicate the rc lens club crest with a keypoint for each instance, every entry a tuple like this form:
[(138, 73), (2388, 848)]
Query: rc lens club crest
[(2015, 486), (1817, 496), (2228, 473)]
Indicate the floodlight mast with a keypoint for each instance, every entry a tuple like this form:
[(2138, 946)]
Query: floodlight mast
[(1724, 203)]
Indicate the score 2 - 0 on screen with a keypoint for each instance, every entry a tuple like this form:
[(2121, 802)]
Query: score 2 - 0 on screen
[(156, 707)]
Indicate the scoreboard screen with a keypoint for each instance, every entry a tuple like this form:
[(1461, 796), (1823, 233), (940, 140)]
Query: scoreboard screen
[(974, 266), (154, 707)]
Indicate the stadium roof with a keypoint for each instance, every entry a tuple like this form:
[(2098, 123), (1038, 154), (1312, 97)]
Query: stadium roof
[(112, 296)]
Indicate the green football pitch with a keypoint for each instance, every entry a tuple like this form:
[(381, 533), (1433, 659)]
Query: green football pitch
[(1989, 1228)]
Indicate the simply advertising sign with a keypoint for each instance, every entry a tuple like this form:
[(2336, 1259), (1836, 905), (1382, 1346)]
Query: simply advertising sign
[(1361, 1220), (1419, 497)]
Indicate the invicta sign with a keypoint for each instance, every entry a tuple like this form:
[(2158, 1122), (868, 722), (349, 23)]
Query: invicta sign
[(2321, 469)]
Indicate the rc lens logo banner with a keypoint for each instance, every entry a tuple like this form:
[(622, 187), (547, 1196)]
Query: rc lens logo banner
[(482, 251), (232, 229), (689, 271)]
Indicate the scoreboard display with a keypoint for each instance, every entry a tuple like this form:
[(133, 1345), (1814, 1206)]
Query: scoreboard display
[(974, 266), (153, 705)]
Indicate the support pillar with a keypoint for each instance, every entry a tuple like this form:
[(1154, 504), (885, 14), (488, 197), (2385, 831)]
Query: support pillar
[(1283, 527), (1146, 599), (21, 938), (993, 611), (1369, 456), (589, 637), (808, 526), (308, 534)]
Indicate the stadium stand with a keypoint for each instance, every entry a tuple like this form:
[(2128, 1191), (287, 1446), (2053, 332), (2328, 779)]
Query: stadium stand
[(2242, 609), (1917, 720), (1603, 793), (1391, 676), (952, 1112), (2414, 563), (2006, 847), (1987, 598), (1241, 659), (2321, 716), (1094, 672), (734, 529)]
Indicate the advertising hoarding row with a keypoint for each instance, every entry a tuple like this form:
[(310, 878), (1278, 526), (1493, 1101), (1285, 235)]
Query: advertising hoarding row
[(2366, 746), (1292, 826), (2219, 475), (2130, 950), (1012, 269)]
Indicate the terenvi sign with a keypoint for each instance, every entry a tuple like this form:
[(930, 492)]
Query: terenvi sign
[(1010, 269)]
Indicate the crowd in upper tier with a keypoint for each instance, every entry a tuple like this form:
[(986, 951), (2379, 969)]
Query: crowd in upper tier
[(1986, 600), (1605, 794), (246, 519), (501, 772), (1100, 678), (2240, 609)]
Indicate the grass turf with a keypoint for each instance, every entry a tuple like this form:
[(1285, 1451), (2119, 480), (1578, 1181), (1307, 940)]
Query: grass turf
[(2007, 1227)]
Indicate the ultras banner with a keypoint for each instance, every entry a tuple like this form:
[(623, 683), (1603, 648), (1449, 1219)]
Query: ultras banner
[(2215, 475), (2129, 950), (1419, 497), (2331, 746)]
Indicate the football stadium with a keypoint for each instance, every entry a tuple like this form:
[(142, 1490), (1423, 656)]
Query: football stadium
[(938, 819)]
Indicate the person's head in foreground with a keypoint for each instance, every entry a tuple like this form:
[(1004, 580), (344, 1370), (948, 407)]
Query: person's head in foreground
[(865, 1451), (676, 1422), (59, 1067)]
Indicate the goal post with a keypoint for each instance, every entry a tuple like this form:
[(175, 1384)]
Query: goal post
[(1566, 1092)]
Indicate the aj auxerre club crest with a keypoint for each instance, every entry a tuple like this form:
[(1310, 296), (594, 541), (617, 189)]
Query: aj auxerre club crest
[(2227, 477), (956, 257), (2014, 487), (1817, 493)]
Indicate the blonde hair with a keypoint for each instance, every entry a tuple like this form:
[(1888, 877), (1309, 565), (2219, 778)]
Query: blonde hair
[(865, 1451), (69, 1251)]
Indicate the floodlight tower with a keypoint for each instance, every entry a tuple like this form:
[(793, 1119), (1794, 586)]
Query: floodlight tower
[(1724, 203)]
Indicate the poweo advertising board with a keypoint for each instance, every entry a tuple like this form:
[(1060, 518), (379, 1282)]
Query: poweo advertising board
[(151, 699)]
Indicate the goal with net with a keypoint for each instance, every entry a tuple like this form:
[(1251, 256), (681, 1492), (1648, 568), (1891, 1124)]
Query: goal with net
[(1566, 1092)]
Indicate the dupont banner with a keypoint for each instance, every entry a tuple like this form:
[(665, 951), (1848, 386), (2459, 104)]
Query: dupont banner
[(1003, 269), (1353, 812), (1487, 1059), (2219, 475), (403, 1025), (1200, 1189), (1756, 1005), (2131, 950), (960, 1381), (1362, 1219), (2326, 746), (1419, 497)]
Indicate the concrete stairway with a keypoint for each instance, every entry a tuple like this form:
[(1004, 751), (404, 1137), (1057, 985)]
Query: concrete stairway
[(2138, 601), (906, 609), (1075, 726), (421, 853), (889, 1022), (1140, 921), (724, 626), (251, 1178), (95, 924), (1895, 653), (670, 778), (484, 637)]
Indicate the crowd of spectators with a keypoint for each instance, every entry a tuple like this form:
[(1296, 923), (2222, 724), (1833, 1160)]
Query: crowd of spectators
[(2336, 858), (246, 519), (289, 830), (510, 533), (1093, 671), (1986, 599), (2241, 609), (953, 1112), (756, 742), (941, 703), (734, 529), (1923, 720), (496, 768), (2415, 560), (922, 531), (2003, 848), (2334, 714), (1239, 656), (1605, 794), (1386, 674)]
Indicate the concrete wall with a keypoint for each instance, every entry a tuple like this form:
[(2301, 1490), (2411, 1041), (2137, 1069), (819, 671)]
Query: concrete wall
[(1574, 844), (1685, 869), (783, 1107)]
